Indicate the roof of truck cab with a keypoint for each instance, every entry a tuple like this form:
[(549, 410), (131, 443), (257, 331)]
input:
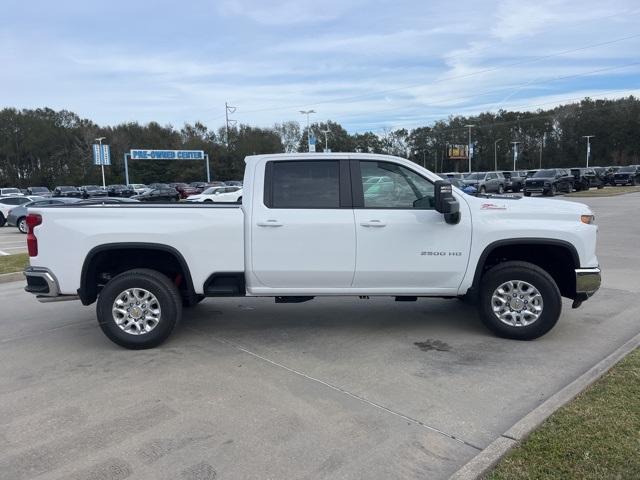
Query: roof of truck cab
[(321, 156)]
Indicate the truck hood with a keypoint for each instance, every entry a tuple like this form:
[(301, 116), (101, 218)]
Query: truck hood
[(524, 208)]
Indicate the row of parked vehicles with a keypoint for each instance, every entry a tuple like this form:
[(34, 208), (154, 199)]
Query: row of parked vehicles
[(547, 181), (15, 202)]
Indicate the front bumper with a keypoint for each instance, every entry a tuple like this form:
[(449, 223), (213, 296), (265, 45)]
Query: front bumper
[(44, 285), (588, 282)]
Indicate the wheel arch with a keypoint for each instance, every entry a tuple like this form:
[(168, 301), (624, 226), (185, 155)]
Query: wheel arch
[(120, 252), (558, 257)]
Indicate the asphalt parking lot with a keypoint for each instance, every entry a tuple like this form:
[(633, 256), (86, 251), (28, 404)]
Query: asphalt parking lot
[(333, 388), (12, 241)]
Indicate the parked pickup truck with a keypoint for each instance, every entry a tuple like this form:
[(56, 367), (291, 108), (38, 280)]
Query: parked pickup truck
[(314, 225)]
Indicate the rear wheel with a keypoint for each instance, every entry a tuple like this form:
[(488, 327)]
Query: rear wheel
[(139, 309), (527, 194), (519, 300), (22, 225), (2, 220), (239, 200)]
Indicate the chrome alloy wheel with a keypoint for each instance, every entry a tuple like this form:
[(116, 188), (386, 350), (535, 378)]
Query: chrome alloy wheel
[(136, 311), (517, 303)]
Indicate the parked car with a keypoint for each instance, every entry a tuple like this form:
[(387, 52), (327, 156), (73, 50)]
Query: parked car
[(138, 187), (305, 234), (609, 175), (184, 189), (514, 181), (67, 191), (218, 195), (163, 194), (119, 190), (629, 175), (40, 191), (89, 191), (468, 189), (18, 215), (585, 178), (486, 182), (549, 182), (7, 203), (10, 192)]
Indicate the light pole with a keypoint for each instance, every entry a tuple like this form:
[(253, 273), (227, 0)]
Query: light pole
[(542, 142), (588, 137), (469, 145), (99, 140), (307, 113), (515, 154), (326, 139), (495, 154)]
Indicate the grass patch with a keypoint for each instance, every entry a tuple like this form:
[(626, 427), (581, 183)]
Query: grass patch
[(13, 263), (595, 436), (605, 192)]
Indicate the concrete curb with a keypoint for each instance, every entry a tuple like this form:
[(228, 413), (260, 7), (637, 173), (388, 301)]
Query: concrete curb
[(480, 465), (11, 277)]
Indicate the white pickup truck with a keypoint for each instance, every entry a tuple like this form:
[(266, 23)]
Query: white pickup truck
[(317, 225)]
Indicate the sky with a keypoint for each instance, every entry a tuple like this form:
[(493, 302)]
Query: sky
[(369, 65)]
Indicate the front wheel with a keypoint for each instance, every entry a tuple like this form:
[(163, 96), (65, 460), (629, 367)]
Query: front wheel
[(519, 300), (139, 309), (527, 194), (239, 200), (2, 220), (22, 225)]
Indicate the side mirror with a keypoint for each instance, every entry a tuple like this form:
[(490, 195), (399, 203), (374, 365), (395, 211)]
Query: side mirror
[(446, 203)]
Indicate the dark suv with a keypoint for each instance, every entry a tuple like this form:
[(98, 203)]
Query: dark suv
[(549, 182), (120, 190), (67, 191), (585, 178), (514, 181), (90, 191), (627, 175)]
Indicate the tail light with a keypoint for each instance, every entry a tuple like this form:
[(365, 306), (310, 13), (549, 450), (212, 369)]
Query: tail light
[(33, 220)]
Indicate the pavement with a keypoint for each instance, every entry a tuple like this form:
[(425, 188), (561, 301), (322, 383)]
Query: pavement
[(332, 388), (12, 241)]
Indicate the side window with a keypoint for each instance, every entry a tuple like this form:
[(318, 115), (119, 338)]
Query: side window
[(303, 184), (388, 185)]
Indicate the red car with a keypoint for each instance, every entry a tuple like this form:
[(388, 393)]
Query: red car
[(184, 189)]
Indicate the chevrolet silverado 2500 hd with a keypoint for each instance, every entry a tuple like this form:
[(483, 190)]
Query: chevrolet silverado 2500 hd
[(315, 225)]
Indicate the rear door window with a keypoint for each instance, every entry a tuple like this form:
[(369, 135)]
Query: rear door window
[(303, 184)]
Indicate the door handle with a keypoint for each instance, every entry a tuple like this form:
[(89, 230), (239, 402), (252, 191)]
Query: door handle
[(373, 223), (269, 223)]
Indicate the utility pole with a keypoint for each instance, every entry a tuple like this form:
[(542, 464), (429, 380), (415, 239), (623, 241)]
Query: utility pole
[(307, 113), (495, 154), (99, 140), (515, 154), (228, 109), (542, 142), (588, 137), (469, 145)]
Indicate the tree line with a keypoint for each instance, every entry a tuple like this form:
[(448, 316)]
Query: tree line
[(47, 147)]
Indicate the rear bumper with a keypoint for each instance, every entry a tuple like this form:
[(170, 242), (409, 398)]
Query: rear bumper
[(588, 282), (44, 285)]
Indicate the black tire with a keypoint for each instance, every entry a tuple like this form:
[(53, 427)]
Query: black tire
[(154, 282), (208, 200), (2, 220), (552, 191), (22, 225), (634, 182), (527, 194), (239, 201), (482, 190), (500, 189), (516, 189), (532, 274)]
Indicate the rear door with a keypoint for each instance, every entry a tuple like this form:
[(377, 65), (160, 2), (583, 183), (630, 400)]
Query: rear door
[(399, 246), (303, 233)]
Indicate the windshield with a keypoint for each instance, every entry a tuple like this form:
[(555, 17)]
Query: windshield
[(544, 174), (211, 190), (475, 176), (627, 169)]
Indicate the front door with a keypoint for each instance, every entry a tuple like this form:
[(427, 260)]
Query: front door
[(302, 232), (400, 246)]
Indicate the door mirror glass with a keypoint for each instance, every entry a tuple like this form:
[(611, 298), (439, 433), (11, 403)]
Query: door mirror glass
[(446, 203)]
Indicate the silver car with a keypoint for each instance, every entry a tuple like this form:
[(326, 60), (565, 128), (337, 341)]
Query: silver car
[(17, 216), (486, 182)]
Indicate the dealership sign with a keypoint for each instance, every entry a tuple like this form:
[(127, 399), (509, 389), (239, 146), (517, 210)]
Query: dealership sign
[(139, 154)]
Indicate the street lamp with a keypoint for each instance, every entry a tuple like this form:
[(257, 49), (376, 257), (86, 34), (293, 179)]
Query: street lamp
[(588, 137), (99, 140), (326, 139), (307, 113), (515, 154), (469, 145), (495, 154)]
